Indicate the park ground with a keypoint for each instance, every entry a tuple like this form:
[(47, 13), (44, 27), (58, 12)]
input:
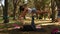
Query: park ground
[(45, 24)]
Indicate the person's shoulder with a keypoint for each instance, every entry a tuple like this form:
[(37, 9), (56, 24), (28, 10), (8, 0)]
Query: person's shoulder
[(29, 9)]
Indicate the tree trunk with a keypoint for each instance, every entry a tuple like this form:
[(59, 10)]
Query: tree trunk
[(53, 10), (5, 12), (16, 4), (14, 12), (58, 9)]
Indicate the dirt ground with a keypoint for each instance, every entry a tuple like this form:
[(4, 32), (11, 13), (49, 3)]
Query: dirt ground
[(47, 30)]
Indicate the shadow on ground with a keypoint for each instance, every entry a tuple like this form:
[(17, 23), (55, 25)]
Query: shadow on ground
[(44, 30)]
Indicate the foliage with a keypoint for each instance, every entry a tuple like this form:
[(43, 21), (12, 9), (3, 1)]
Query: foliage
[(41, 3)]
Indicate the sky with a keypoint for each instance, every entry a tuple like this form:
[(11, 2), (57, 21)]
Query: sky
[(3, 2)]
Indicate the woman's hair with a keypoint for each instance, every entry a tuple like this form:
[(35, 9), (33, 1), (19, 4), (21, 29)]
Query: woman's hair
[(25, 5)]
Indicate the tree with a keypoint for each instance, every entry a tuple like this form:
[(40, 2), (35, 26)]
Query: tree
[(1, 7), (30, 3), (16, 4), (58, 7), (5, 12), (40, 4), (10, 8), (53, 5)]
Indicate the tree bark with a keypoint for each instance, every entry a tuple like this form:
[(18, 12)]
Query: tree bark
[(14, 11), (15, 4), (53, 10), (5, 12), (58, 9)]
